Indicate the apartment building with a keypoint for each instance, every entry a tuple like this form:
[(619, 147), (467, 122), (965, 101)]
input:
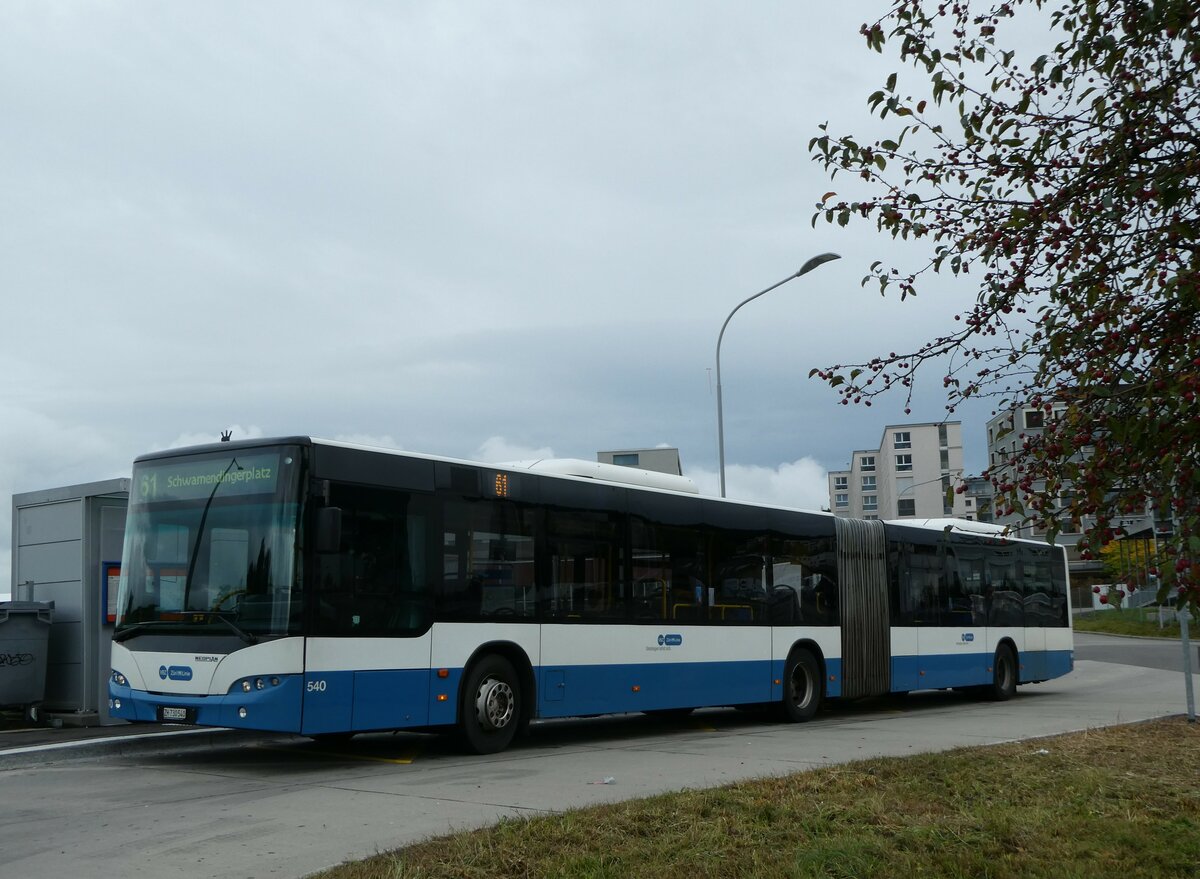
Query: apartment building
[(1006, 433), (911, 475)]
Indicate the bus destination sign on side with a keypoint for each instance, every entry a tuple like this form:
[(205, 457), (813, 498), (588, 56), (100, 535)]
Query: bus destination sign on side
[(189, 480)]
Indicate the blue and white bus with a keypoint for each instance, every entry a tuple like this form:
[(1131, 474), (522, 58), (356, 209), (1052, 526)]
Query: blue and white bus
[(314, 587)]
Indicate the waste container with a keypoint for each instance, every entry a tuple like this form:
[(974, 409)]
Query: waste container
[(24, 636)]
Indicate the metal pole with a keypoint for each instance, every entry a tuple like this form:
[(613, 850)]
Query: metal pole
[(1184, 615), (804, 269)]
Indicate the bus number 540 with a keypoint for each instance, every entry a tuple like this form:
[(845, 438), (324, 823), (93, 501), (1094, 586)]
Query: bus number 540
[(316, 686)]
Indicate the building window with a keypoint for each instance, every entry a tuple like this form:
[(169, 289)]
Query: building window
[(870, 502), (906, 507), (630, 460), (970, 503), (943, 436), (945, 453), (903, 463), (868, 483), (872, 518), (842, 500), (867, 463), (902, 439), (841, 483), (1034, 419)]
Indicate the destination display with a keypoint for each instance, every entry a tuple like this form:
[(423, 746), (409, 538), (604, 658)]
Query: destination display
[(154, 482)]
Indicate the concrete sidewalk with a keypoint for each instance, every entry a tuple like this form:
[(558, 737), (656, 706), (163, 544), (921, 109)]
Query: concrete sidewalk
[(231, 803)]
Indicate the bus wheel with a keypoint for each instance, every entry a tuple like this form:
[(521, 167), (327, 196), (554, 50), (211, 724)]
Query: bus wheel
[(490, 710), (801, 687), (1004, 674)]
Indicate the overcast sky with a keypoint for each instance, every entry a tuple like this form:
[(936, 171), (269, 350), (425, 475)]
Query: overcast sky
[(484, 230)]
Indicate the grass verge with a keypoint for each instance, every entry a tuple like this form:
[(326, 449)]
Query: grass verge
[(1118, 802), (1140, 621)]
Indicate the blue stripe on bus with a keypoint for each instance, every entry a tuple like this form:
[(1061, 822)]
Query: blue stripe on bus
[(400, 698), (972, 669), (275, 708), (604, 689)]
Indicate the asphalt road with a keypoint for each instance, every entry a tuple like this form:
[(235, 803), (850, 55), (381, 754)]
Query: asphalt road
[(1142, 652), (224, 804)]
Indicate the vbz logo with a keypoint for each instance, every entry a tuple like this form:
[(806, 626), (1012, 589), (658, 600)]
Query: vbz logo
[(670, 640), (968, 636)]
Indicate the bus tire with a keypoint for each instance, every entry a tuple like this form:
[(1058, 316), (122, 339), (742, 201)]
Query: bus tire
[(801, 687), (489, 711), (1004, 675)]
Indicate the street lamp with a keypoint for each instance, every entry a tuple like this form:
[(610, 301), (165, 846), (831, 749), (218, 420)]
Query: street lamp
[(804, 269)]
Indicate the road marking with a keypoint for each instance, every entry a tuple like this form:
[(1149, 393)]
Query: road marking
[(102, 740)]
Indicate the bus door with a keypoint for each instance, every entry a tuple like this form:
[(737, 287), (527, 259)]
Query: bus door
[(959, 650), (1035, 597), (367, 664)]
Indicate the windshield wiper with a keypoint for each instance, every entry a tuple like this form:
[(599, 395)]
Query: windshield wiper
[(133, 629), (238, 630)]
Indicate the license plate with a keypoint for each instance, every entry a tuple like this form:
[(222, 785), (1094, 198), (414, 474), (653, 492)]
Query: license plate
[(173, 714)]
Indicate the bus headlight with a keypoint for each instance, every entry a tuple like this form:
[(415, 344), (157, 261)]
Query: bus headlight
[(245, 686), (258, 684), (119, 679)]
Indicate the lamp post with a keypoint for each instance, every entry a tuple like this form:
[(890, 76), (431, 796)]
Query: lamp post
[(804, 269)]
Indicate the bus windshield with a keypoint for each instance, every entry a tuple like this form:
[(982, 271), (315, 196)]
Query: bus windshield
[(210, 546)]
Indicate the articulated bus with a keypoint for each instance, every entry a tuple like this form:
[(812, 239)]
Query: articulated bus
[(319, 588)]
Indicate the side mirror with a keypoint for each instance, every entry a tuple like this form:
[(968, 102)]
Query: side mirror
[(329, 530)]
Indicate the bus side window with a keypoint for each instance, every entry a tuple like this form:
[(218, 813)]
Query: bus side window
[(1004, 602), (971, 576), (668, 573), (487, 561), (807, 566), (586, 569), (922, 582), (377, 583), (739, 576)]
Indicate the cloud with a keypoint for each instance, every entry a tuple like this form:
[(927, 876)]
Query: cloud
[(40, 452), (802, 483), (496, 449), (236, 431)]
